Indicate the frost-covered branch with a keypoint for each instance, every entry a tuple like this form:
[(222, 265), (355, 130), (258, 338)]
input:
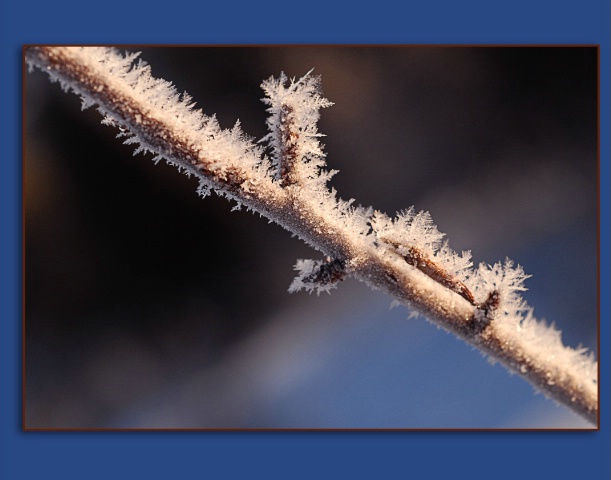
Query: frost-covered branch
[(405, 256)]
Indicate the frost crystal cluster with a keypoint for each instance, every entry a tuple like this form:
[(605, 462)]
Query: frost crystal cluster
[(284, 178), (297, 155)]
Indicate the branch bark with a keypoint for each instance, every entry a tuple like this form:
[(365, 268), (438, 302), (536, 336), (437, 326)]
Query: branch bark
[(237, 169)]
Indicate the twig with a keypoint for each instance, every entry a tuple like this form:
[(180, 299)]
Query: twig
[(403, 257)]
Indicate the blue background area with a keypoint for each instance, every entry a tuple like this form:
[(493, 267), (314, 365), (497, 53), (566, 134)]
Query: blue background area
[(293, 455)]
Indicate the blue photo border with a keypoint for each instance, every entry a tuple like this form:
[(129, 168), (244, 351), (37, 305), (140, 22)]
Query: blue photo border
[(103, 455)]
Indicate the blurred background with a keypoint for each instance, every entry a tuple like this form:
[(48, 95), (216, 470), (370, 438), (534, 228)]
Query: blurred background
[(148, 307)]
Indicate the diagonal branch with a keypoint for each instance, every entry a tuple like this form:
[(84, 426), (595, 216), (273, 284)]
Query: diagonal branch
[(403, 256)]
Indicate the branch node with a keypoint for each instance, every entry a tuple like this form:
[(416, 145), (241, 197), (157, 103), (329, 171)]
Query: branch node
[(318, 275), (296, 153), (414, 257), (287, 151), (486, 311)]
